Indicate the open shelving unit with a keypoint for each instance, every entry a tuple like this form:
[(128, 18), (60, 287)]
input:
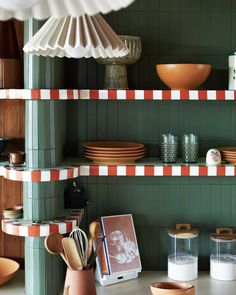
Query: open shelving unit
[(98, 94), (73, 168)]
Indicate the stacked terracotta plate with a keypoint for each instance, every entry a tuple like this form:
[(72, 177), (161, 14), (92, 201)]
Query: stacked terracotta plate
[(116, 152), (228, 154)]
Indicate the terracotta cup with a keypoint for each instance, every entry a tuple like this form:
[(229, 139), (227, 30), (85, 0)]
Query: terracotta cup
[(80, 282), (17, 158)]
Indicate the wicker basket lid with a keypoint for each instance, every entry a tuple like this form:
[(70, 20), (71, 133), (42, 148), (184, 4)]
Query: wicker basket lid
[(183, 231), (223, 234)]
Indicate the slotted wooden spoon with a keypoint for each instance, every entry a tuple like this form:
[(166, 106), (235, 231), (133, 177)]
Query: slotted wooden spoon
[(71, 253), (53, 244)]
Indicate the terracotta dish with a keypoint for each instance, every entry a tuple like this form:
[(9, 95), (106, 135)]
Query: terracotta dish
[(172, 288), (8, 269), (113, 145), (183, 76), (110, 152), (114, 160), (119, 155)]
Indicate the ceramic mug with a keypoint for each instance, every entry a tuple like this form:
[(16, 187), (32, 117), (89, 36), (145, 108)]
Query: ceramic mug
[(17, 158), (80, 282)]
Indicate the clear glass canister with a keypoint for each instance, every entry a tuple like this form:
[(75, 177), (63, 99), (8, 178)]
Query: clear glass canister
[(183, 255), (223, 255)]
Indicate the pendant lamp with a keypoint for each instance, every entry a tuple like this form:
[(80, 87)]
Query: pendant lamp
[(10, 62), (84, 36), (42, 9)]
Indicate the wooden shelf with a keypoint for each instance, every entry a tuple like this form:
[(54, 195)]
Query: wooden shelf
[(96, 94), (25, 228), (76, 167)]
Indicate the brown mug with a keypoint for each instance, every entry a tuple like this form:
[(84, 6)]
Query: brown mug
[(17, 158), (80, 282)]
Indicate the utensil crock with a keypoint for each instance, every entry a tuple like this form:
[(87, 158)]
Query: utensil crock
[(80, 282)]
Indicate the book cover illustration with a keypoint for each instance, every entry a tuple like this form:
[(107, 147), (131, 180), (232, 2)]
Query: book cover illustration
[(121, 243)]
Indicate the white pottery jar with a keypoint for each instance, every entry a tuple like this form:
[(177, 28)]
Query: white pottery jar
[(213, 157)]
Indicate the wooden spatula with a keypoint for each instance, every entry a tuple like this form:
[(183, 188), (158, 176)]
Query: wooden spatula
[(94, 230), (71, 253)]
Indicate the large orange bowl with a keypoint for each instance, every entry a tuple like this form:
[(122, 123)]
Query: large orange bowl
[(183, 76), (8, 269)]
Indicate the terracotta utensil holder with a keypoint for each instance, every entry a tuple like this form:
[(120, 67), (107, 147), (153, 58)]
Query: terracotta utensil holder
[(172, 288), (80, 282)]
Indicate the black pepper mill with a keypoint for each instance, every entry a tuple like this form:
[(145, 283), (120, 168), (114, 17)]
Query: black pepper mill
[(74, 197)]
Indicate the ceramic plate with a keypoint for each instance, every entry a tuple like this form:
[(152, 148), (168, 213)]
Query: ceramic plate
[(113, 145)]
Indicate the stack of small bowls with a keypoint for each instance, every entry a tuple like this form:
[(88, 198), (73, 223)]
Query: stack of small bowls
[(189, 148), (13, 213), (169, 148)]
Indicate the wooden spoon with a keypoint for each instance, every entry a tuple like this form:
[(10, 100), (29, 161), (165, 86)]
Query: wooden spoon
[(94, 230), (53, 244), (71, 253)]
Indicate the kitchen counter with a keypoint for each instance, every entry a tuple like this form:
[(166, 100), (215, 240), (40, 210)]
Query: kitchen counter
[(204, 285)]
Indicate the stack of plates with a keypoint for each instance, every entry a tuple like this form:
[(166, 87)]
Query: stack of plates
[(12, 213), (115, 152), (228, 154)]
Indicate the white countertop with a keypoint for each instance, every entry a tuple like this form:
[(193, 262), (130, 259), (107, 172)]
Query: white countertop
[(204, 285)]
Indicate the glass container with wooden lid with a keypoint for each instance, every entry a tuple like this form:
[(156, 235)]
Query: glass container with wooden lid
[(223, 254), (183, 254)]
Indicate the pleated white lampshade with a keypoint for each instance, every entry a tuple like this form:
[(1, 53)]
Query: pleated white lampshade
[(84, 36), (41, 9)]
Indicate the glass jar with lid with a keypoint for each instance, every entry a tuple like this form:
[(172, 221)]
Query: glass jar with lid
[(183, 255), (223, 254)]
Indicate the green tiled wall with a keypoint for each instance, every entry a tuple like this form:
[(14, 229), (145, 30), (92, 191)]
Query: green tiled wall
[(213, 122), (160, 202), (172, 31), (193, 31)]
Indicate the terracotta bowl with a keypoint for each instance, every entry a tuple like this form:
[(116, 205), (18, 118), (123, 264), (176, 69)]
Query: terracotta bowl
[(8, 269), (172, 288), (183, 76)]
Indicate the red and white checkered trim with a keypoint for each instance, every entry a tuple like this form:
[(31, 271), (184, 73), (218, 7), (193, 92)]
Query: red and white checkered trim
[(94, 94), (118, 170), (25, 228)]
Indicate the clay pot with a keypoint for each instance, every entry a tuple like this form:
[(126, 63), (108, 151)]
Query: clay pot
[(8, 269), (172, 288), (183, 76), (80, 282)]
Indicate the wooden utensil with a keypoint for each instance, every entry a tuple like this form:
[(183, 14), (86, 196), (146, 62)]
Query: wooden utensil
[(95, 254), (94, 230), (53, 244), (71, 253)]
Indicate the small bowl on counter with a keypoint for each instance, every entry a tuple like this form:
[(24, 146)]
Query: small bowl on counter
[(183, 76), (172, 288), (14, 212)]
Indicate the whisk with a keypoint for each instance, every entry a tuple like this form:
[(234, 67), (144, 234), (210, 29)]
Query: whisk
[(81, 241)]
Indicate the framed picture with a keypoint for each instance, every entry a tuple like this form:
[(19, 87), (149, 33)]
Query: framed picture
[(121, 247)]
